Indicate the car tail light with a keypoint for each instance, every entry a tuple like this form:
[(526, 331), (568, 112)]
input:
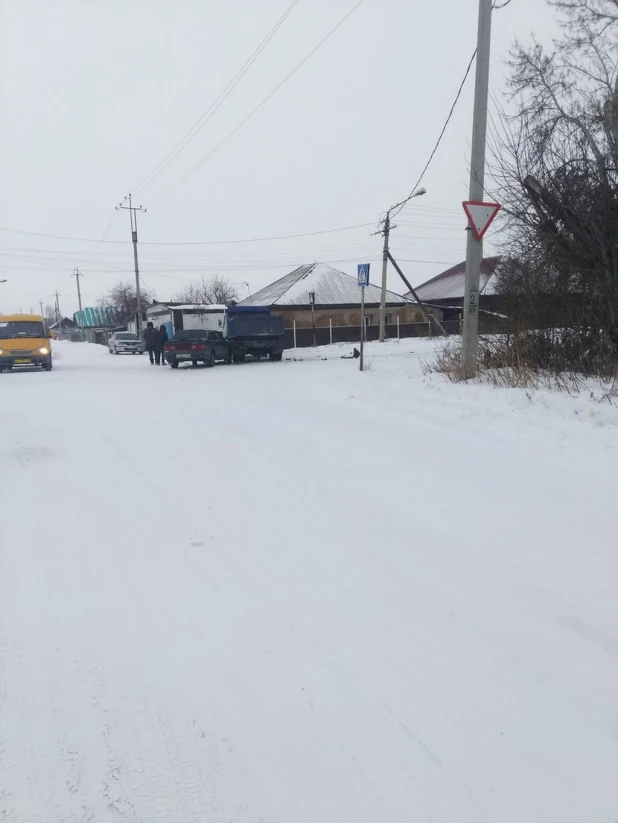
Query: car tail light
[(169, 347), (198, 346)]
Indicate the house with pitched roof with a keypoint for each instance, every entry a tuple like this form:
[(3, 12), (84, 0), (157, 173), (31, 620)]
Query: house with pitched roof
[(321, 295), (446, 292), (448, 288)]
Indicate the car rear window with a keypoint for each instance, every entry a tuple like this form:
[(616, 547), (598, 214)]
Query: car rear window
[(126, 336), (190, 334)]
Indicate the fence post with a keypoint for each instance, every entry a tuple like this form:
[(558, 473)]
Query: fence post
[(397, 327), (330, 322), (295, 334)]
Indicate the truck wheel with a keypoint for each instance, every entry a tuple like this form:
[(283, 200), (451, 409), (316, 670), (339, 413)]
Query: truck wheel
[(174, 364), (194, 363)]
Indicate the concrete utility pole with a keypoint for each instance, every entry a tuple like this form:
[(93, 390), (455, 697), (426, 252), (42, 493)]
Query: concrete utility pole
[(77, 274), (42, 312), (138, 292), (386, 232), (57, 307), (474, 249)]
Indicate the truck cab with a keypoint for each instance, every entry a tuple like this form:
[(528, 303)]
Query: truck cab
[(253, 330)]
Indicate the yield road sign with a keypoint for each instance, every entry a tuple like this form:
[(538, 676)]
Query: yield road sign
[(480, 216), (362, 270)]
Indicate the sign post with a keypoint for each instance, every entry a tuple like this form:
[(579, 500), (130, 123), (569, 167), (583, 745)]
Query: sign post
[(363, 280)]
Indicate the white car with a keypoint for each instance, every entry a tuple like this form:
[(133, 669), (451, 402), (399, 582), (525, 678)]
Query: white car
[(125, 342)]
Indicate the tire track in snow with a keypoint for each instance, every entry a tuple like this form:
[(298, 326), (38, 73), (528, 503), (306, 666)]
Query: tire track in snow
[(327, 655)]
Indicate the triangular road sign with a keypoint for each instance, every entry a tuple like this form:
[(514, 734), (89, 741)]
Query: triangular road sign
[(480, 216)]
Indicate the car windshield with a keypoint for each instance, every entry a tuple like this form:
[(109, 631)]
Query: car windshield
[(126, 336), (190, 334), (21, 328)]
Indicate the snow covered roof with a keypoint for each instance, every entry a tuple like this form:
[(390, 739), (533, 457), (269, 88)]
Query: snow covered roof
[(93, 317), (197, 306), (450, 284), (187, 307), (331, 288)]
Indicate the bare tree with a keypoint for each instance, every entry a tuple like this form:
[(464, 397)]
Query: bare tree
[(216, 289), (49, 315), (122, 297), (555, 164)]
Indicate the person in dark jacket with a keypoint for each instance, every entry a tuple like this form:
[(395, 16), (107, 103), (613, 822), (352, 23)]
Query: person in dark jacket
[(151, 342), (162, 339)]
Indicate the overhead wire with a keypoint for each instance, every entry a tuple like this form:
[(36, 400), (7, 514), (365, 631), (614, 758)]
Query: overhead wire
[(440, 136), (190, 242), (262, 102), (215, 105), (399, 206)]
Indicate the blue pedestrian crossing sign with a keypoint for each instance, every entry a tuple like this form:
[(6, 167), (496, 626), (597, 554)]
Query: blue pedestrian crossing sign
[(363, 274)]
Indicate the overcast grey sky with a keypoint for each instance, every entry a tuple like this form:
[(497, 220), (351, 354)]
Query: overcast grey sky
[(95, 93)]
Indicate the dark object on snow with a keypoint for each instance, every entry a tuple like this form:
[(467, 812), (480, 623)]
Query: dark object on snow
[(355, 354), (252, 330), (197, 346), (150, 336)]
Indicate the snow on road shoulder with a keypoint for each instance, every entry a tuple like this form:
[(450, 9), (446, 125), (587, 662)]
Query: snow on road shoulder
[(397, 376), (291, 591)]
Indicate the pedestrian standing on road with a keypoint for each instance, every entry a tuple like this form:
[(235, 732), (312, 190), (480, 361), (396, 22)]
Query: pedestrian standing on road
[(151, 342), (162, 339)]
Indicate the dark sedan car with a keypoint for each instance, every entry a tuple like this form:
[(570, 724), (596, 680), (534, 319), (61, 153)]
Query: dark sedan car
[(196, 346)]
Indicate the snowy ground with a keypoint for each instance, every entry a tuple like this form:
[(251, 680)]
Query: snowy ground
[(294, 593)]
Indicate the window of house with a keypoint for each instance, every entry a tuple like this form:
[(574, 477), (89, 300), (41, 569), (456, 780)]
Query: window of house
[(388, 319), (368, 319)]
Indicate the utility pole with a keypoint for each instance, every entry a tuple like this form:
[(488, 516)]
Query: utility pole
[(42, 312), (386, 255), (57, 307), (77, 274), (386, 232), (474, 248), (138, 292)]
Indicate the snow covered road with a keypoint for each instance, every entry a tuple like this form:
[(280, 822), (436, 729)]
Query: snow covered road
[(294, 592)]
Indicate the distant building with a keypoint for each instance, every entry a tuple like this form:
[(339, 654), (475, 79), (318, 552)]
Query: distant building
[(97, 323), (446, 292), (318, 293), (448, 288), (64, 329)]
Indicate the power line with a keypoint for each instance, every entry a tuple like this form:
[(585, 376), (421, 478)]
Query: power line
[(264, 100), (441, 135), (214, 106), (191, 242)]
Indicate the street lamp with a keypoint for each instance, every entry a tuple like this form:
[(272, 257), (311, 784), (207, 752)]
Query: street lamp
[(385, 252), (312, 302), (244, 283)]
